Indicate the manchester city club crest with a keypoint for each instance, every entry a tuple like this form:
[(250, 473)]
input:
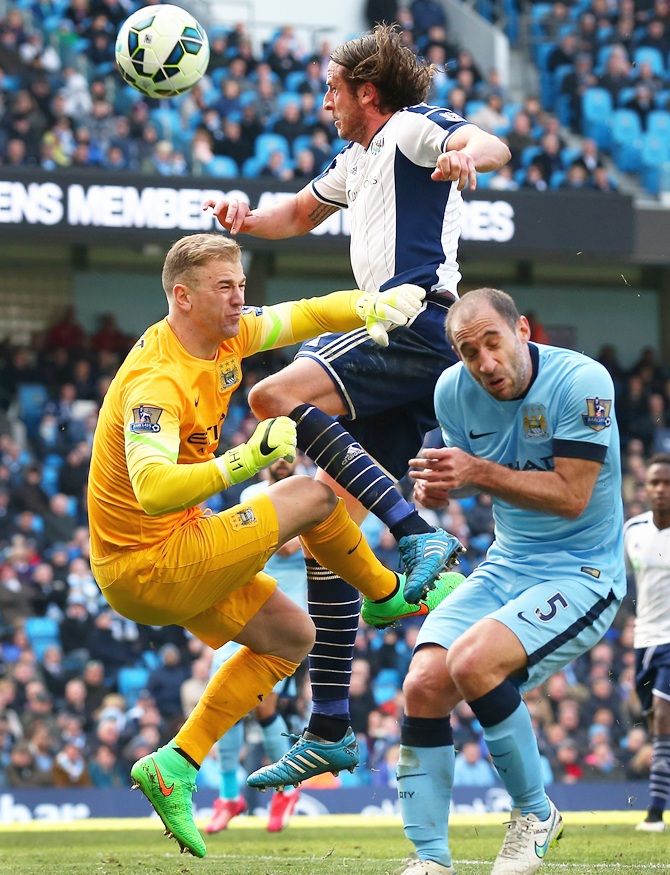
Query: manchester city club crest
[(597, 416), (229, 374), (535, 421)]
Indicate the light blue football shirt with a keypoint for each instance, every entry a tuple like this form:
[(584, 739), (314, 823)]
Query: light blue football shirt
[(567, 411)]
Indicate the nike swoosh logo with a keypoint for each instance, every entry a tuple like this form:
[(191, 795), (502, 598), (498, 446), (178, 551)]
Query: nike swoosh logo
[(521, 616), (349, 552), (541, 850), (165, 790), (421, 610), (475, 436), (265, 447), (497, 756)]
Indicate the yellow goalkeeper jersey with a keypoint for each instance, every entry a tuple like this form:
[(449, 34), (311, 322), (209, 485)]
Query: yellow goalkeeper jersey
[(160, 423)]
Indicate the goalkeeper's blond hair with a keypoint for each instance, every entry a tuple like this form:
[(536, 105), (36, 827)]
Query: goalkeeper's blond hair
[(192, 252)]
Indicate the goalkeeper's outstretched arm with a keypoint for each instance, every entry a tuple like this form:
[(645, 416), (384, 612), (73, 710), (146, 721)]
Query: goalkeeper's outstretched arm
[(162, 486)]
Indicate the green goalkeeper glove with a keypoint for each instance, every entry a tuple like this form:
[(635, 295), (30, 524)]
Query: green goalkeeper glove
[(272, 439), (382, 310)]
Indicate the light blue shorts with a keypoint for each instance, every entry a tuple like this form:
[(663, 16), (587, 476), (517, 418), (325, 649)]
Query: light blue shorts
[(286, 688), (555, 620)]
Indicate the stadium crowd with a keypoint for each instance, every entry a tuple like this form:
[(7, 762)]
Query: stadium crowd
[(257, 113), (85, 692)]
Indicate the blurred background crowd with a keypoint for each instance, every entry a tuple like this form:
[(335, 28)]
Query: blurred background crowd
[(599, 107), (84, 692)]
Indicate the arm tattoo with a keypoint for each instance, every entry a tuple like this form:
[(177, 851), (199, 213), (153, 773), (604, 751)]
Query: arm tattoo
[(320, 213)]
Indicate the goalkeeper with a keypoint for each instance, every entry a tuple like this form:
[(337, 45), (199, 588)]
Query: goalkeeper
[(160, 559)]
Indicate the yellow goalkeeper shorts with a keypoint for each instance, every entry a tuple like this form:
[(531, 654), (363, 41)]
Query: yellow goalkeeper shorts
[(206, 576)]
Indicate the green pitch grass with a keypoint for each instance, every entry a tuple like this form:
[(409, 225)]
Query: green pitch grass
[(594, 843)]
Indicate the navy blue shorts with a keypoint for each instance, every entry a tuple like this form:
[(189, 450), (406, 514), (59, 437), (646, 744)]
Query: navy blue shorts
[(388, 391), (652, 674)]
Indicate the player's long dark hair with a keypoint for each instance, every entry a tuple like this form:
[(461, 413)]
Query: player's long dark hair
[(400, 77)]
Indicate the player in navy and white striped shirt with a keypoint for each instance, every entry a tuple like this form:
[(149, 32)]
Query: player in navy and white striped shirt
[(400, 179)]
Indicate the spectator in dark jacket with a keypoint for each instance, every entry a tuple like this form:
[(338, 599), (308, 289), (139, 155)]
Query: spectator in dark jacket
[(164, 682)]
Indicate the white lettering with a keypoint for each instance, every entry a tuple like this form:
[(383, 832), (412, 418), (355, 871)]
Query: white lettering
[(51, 200), (485, 221), (13, 812), (79, 205), (36, 204), (110, 204), (165, 209), (66, 811), (190, 212), (114, 206)]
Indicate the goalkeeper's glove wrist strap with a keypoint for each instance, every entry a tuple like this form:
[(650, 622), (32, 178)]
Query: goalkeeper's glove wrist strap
[(234, 466)]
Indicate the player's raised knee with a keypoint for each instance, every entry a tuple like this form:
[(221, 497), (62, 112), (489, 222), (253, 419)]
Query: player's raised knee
[(267, 398)]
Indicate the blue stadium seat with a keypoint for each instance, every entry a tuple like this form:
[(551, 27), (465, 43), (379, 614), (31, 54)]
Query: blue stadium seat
[(625, 124), (529, 154), (658, 122), (601, 59), (287, 97), (624, 96), (222, 166), (218, 30), (626, 140), (597, 108), (247, 97), (266, 144), (217, 76), (32, 397), (252, 167), (538, 12), (652, 56), (570, 154), (131, 679), (302, 142), (441, 91), (473, 106), (511, 110), (386, 685), (11, 84), (557, 178), (541, 52), (167, 121), (50, 476), (42, 632), (294, 80), (655, 152), (511, 18), (550, 85)]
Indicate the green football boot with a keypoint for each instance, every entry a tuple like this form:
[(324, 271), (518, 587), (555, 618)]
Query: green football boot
[(388, 613), (167, 779)]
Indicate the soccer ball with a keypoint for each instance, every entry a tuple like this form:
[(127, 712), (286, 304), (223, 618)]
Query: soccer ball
[(162, 51)]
